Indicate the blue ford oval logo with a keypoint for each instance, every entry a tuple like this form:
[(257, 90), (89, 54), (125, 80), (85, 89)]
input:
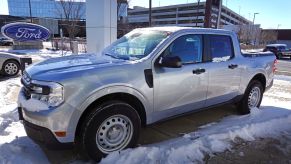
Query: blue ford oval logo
[(23, 32)]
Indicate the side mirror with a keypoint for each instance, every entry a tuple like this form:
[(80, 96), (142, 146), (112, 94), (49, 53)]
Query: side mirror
[(170, 62)]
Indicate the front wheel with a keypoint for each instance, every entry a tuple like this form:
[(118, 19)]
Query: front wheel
[(113, 126), (252, 97)]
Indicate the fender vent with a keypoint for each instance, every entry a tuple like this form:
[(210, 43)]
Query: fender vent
[(148, 73)]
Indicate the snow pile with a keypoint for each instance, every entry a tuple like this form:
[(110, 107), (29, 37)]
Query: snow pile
[(15, 146), (193, 147), (33, 104), (271, 120), (221, 59)]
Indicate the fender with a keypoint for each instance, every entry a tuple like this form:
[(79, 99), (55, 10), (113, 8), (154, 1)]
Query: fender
[(116, 89), (148, 105), (247, 79)]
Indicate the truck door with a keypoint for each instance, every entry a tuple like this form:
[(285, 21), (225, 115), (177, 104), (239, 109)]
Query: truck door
[(177, 90), (223, 69)]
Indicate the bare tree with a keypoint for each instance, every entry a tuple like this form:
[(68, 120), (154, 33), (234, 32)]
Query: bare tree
[(71, 12), (123, 26), (268, 36)]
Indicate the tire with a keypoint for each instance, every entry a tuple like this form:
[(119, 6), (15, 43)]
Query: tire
[(109, 120), (279, 56), (10, 68), (248, 101)]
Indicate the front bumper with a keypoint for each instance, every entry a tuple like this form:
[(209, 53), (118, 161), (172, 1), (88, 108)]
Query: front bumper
[(42, 135), (41, 126)]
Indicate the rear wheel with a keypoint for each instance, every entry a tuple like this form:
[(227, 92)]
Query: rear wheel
[(10, 68), (252, 97), (114, 126)]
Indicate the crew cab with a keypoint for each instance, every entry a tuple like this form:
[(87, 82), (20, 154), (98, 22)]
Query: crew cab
[(99, 102), (280, 50)]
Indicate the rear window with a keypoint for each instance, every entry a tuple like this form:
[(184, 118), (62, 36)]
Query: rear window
[(221, 48), (281, 47)]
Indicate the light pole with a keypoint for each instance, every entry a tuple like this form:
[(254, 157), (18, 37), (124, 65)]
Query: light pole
[(197, 17), (255, 17), (253, 31), (150, 13), (30, 11)]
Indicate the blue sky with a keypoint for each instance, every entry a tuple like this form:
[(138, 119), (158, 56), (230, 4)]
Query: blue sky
[(272, 12)]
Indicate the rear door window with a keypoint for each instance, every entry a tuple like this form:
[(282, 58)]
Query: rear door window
[(221, 48)]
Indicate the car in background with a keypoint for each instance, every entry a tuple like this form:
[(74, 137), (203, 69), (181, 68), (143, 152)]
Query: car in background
[(9, 64), (5, 42), (280, 50)]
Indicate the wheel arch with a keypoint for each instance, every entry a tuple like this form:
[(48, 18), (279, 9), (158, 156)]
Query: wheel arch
[(131, 99), (11, 59), (261, 78)]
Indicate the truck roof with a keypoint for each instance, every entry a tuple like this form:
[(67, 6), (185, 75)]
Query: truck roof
[(179, 28)]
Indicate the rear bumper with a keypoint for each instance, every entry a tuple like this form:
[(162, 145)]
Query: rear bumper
[(269, 86), (43, 135)]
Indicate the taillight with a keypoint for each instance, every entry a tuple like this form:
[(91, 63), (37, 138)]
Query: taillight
[(274, 65)]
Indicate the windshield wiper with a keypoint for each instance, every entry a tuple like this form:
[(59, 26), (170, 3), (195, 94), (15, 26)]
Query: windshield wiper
[(111, 56), (123, 57)]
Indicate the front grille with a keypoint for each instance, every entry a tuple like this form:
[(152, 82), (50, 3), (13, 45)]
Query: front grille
[(26, 82), (26, 92)]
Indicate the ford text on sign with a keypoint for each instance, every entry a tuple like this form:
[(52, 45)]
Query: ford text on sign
[(24, 32)]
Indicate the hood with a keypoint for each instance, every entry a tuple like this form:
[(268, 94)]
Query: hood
[(69, 65)]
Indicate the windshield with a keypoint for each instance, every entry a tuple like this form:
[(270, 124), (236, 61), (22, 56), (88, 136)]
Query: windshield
[(136, 44)]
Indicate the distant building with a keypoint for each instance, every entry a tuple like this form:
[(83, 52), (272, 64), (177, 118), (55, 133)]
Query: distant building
[(190, 14), (279, 36), (39, 8), (249, 34)]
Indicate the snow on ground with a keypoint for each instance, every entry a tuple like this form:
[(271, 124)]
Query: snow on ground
[(272, 120), (15, 146), (38, 54)]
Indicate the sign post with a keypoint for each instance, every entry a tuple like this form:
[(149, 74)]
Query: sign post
[(212, 13), (62, 41)]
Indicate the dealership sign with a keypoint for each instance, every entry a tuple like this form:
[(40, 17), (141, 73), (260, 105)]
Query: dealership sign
[(25, 32)]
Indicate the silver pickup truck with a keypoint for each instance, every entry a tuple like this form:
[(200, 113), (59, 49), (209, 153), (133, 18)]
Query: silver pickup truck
[(100, 102)]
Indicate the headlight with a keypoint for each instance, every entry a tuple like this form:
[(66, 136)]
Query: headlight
[(48, 92)]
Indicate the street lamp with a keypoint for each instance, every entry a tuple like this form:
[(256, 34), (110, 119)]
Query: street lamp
[(197, 16), (253, 31), (30, 11), (150, 13), (255, 17)]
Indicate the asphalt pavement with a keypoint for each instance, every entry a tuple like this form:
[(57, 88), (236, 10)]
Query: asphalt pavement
[(284, 67)]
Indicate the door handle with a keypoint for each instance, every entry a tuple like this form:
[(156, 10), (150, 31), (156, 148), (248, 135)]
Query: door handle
[(232, 66), (198, 71)]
